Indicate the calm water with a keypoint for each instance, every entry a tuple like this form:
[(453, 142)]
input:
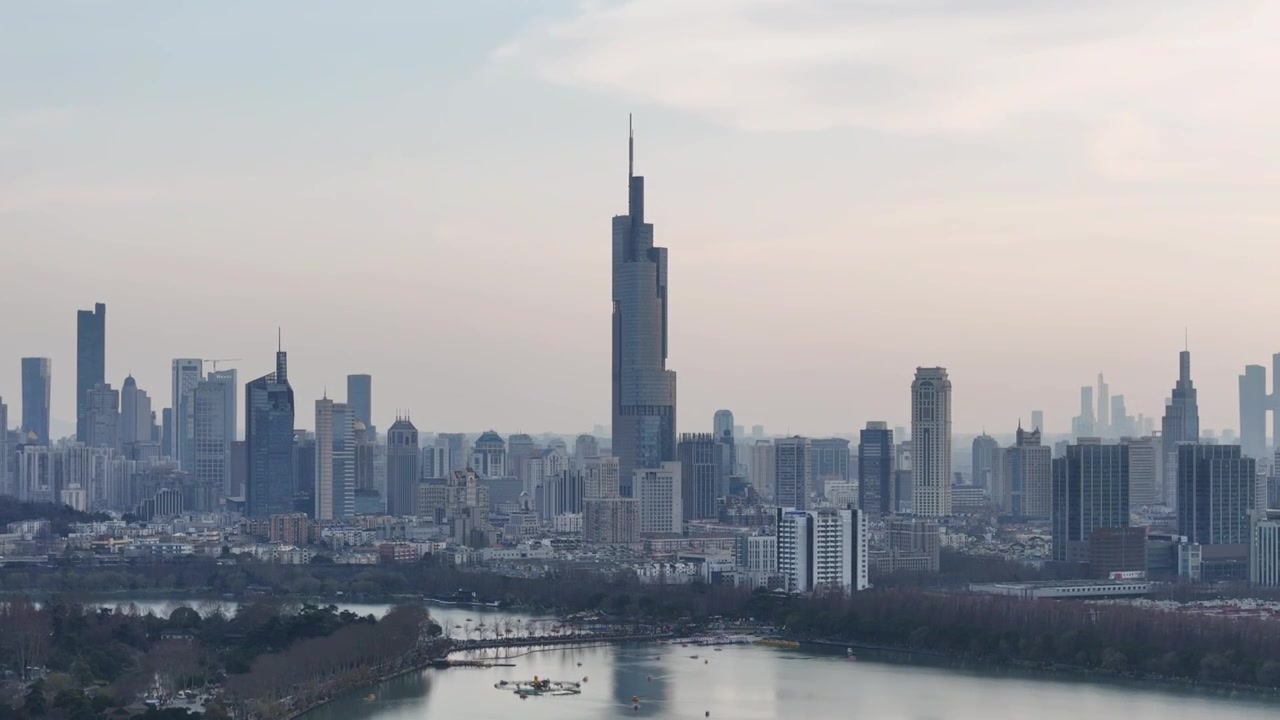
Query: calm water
[(752, 683), (758, 683)]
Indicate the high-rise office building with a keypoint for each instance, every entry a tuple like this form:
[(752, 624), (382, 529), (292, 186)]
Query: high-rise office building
[(268, 436), (793, 472), (37, 381), (1037, 421), (211, 446), (1215, 493), (135, 415), (1025, 482), (489, 456), (1083, 424), (229, 379), (644, 390), (360, 398), (187, 373), (823, 550), (722, 423), (584, 446), (701, 467), (100, 418), (454, 445), (763, 468), (1181, 422), (402, 467), (1254, 403), (931, 442), (876, 496), (829, 462), (1104, 406), (723, 429), (986, 461), (335, 460), (658, 490), (601, 477), (1090, 491), (1146, 480), (91, 359)]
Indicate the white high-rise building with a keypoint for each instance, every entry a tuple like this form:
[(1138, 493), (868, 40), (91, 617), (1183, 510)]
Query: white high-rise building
[(1264, 548), (931, 442), (661, 506), (793, 471), (1146, 475), (187, 373), (823, 550), (335, 460), (324, 459), (35, 474)]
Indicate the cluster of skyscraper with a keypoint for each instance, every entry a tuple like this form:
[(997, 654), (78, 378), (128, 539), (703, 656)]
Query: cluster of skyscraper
[(650, 481)]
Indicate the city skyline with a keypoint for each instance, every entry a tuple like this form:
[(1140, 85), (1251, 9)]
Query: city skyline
[(92, 168)]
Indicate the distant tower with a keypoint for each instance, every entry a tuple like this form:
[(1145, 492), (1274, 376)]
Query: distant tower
[(1181, 422), (722, 425), (986, 461), (268, 436), (91, 353), (360, 398), (1254, 404), (100, 417), (187, 373), (1083, 424), (1104, 407), (37, 380), (402, 468), (644, 390), (489, 456), (1037, 421), (584, 446), (931, 442)]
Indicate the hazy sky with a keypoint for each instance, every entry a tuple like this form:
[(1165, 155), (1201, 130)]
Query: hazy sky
[(1023, 192)]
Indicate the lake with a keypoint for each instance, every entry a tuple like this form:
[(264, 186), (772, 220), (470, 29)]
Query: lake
[(749, 683), (758, 683)]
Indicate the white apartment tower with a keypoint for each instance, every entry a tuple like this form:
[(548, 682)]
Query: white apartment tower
[(931, 442), (823, 550)]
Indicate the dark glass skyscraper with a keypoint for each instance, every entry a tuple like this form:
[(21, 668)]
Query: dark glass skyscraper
[(91, 361), (268, 435), (1215, 493), (1090, 490), (644, 390), (875, 471), (360, 397), (37, 379), (403, 471), (701, 472)]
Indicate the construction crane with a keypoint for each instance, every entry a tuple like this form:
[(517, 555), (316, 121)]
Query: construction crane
[(218, 360)]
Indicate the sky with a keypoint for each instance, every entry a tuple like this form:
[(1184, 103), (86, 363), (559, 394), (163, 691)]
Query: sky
[(1024, 193)]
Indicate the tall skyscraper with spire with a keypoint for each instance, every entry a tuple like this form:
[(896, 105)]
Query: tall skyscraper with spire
[(644, 390), (268, 437), (1181, 423)]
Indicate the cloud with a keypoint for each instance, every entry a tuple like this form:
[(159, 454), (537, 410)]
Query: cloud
[(927, 66)]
